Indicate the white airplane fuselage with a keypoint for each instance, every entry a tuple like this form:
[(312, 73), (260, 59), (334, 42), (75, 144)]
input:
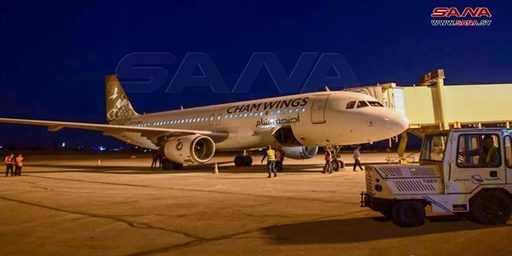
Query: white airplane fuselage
[(320, 118)]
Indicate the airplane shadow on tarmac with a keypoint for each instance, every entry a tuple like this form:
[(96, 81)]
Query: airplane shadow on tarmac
[(364, 230), (208, 168)]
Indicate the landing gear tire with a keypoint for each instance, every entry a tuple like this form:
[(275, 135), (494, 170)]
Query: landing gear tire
[(408, 213), (491, 207), (170, 165), (337, 165), (243, 160)]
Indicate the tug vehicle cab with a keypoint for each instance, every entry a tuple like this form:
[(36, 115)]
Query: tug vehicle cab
[(463, 172)]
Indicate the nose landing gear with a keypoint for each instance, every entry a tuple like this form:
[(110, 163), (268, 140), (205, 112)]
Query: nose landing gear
[(243, 160)]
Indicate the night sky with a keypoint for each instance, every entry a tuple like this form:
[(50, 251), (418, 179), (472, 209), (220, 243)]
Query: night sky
[(55, 55)]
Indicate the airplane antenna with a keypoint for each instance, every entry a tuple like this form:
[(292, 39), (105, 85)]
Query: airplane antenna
[(181, 107), (327, 89)]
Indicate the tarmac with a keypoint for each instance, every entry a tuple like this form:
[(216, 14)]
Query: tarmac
[(104, 205)]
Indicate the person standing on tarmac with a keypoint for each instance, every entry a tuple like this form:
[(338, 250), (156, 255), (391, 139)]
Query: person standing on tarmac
[(161, 157), (9, 164), (357, 158), (328, 160), (279, 159), (156, 156), (18, 164), (270, 155)]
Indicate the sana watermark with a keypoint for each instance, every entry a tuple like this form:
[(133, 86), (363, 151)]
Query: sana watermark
[(146, 72), (454, 17)]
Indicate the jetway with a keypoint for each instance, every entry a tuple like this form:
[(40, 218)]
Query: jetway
[(433, 106)]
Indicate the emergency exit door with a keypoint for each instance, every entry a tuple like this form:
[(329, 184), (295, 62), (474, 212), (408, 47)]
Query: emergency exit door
[(318, 109)]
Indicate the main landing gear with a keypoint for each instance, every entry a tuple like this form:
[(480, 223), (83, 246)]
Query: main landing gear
[(336, 162), (243, 160)]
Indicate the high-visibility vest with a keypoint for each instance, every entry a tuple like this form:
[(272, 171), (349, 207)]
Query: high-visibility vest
[(271, 155), (491, 154), (8, 160)]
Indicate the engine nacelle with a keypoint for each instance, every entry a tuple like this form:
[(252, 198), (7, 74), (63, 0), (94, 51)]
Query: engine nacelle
[(190, 149), (300, 152)]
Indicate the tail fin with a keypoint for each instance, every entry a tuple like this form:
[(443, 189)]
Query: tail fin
[(118, 105)]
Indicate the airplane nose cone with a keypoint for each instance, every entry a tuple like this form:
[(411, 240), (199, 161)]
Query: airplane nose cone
[(396, 123)]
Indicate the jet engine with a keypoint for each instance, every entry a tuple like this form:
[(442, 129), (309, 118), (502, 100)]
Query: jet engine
[(190, 149), (300, 152)]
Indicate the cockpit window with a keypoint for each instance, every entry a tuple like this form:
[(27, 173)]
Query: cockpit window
[(375, 104), (362, 104), (351, 105)]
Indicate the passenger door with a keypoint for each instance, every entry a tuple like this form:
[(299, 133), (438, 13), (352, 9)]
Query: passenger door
[(473, 165), (318, 109)]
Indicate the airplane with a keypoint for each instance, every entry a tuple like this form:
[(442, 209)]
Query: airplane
[(299, 124)]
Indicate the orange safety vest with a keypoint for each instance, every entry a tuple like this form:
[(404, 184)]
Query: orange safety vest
[(19, 161)]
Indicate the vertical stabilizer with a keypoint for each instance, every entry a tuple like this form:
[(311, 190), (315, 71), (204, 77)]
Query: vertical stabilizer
[(118, 105)]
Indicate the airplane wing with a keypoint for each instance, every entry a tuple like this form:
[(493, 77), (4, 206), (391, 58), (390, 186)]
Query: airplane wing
[(150, 134)]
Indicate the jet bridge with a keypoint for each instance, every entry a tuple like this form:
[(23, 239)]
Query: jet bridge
[(433, 106)]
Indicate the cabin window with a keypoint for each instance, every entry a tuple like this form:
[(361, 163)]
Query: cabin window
[(375, 104), (362, 104), (350, 105), (433, 148), (478, 151)]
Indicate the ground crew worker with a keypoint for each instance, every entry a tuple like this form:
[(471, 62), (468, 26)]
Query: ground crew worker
[(9, 164), (489, 156), (357, 158), (488, 152), (270, 155), (328, 160), (19, 165), (156, 156), (279, 159), (161, 157)]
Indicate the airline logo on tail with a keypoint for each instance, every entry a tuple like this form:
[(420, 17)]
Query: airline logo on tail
[(118, 105), (121, 109)]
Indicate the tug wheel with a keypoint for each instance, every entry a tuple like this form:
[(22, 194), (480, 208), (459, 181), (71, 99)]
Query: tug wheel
[(408, 213), (491, 207)]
